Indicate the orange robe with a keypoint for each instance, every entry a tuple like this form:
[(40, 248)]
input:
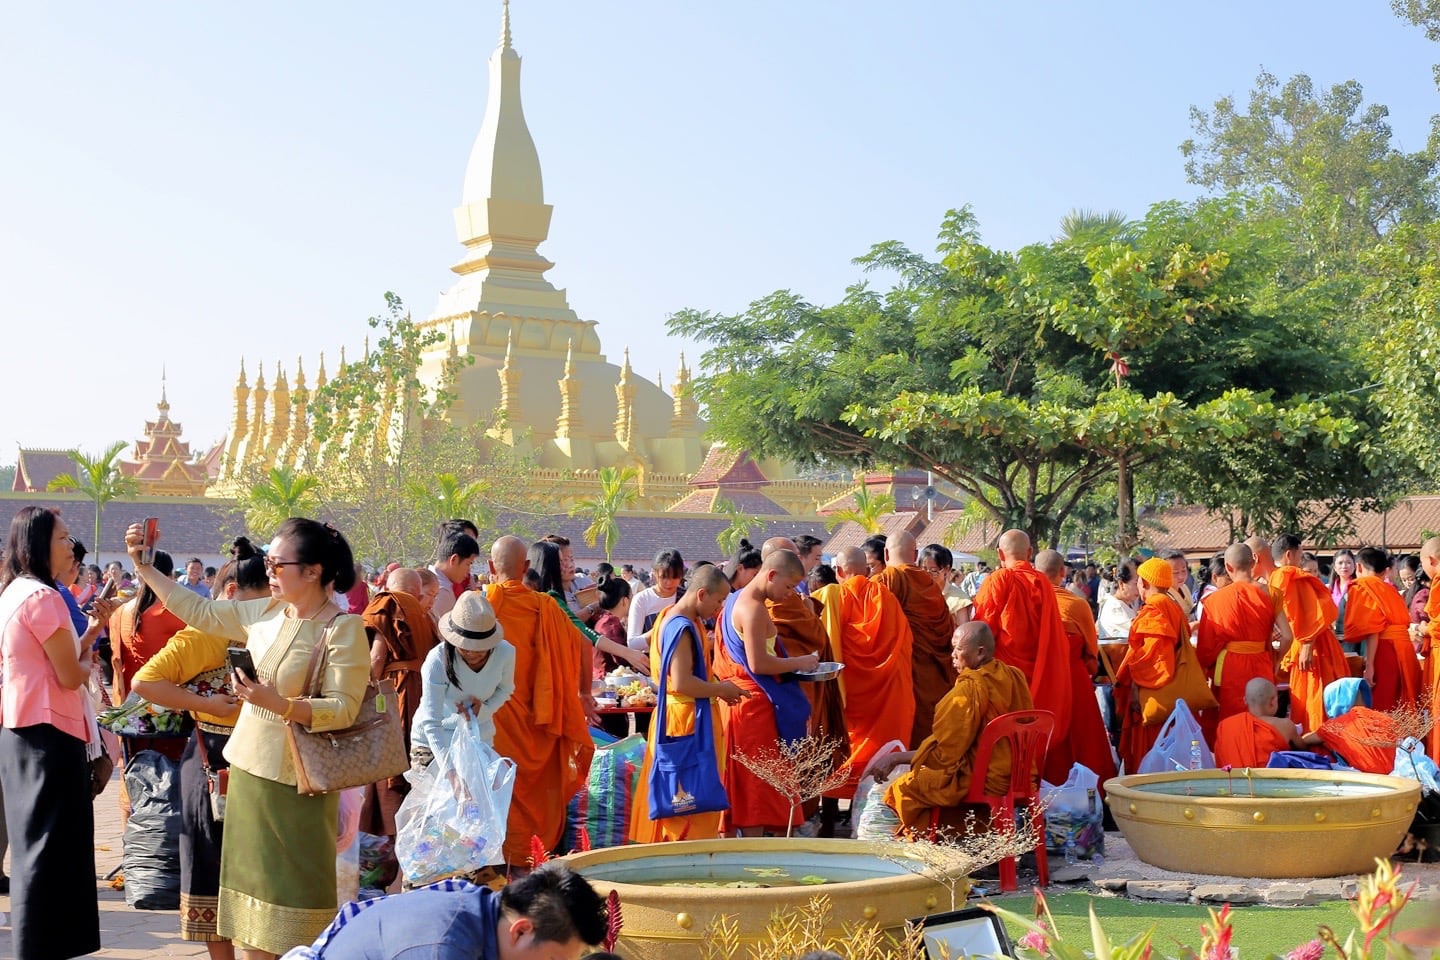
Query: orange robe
[(1374, 606), (1365, 738), (1018, 603), (1233, 642), (931, 626), (542, 726), (1308, 606), (1432, 664), (801, 632), (944, 763), (870, 635), (1243, 740), (1155, 635), (1088, 743)]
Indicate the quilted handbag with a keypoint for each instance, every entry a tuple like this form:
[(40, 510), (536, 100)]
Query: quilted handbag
[(370, 749)]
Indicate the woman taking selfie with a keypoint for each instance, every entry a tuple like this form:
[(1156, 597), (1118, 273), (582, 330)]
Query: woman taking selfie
[(277, 865)]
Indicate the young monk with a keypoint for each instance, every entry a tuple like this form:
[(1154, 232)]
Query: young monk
[(1376, 618), (931, 624), (1235, 630), (1150, 664), (750, 655), (1247, 739), (1315, 659), (681, 637)]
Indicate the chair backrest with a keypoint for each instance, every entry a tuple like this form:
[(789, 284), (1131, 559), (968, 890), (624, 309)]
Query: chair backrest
[(1029, 734)]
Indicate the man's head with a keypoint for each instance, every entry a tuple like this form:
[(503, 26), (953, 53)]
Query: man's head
[(850, 562), (809, 550), (939, 562), (1155, 576), (1430, 558), (1179, 566), (429, 587), (705, 592), (551, 914), (1262, 699), (1052, 565), (508, 559), (403, 580), (1013, 547), (973, 645), (1239, 561), (874, 550), (458, 551), (778, 543), (1263, 553), (779, 573), (1373, 560), (900, 550), (194, 570), (1285, 550)]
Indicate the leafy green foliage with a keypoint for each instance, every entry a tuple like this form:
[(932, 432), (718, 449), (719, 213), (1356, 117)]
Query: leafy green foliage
[(867, 511), (617, 493), (281, 493), (741, 523), (98, 478)]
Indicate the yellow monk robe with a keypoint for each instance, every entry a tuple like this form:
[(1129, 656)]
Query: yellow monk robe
[(1373, 606), (542, 726), (1088, 743), (1155, 635), (1307, 604), (1233, 642), (801, 632), (1018, 604), (870, 635), (1432, 664), (932, 673), (1243, 740), (944, 762), (679, 722)]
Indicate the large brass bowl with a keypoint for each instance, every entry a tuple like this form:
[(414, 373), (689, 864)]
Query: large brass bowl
[(1301, 823), (668, 922)]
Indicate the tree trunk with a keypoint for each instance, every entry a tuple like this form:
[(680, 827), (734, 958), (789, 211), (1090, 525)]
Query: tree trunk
[(1124, 539)]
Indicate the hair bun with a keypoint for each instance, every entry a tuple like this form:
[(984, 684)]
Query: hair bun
[(243, 549)]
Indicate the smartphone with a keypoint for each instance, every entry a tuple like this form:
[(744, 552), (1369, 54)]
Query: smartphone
[(241, 663), (109, 589), (152, 534)]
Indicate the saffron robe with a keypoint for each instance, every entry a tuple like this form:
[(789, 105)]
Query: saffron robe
[(542, 726), (1243, 740), (1374, 606), (870, 635), (1233, 642), (1363, 737), (1155, 637), (801, 632), (1432, 665), (944, 763), (932, 672), (1018, 604), (1088, 742), (1307, 604)]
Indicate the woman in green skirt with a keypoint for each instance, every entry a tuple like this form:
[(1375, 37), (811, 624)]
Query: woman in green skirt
[(277, 862)]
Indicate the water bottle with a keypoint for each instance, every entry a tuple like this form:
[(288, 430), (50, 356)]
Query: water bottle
[(1197, 760), (1072, 855)]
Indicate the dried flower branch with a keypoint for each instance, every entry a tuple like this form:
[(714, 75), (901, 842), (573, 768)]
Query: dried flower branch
[(951, 856), (798, 770)]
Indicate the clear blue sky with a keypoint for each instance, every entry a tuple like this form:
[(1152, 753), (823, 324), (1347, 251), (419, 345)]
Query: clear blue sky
[(181, 184)]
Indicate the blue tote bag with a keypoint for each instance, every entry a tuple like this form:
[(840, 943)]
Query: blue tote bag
[(685, 777)]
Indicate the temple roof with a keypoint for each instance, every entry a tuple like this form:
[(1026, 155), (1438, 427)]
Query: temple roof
[(729, 470), (704, 501), (36, 467)]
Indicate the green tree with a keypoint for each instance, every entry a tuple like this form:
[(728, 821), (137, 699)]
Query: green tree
[(281, 493), (617, 494), (446, 497), (866, 512), (741, 523), (99, 479)]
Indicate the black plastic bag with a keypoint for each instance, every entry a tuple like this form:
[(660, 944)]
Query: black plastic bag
[(151, 860)]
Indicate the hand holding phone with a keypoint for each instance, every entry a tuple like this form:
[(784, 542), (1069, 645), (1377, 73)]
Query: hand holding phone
[(242, 663), (111, 587), (151, 530)]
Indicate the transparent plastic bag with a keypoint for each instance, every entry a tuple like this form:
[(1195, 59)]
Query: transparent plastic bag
[(1181, 743), (454, 820), (1074, 813)]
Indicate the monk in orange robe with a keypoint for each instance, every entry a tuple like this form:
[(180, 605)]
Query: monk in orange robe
[(1150, 663), (1233, 637), (1247, 739), (943, 766), (870, 635), (1429, 632), (543, 727), (1088, 743), (1019, 604), (1315, 659), (931, 626), (1376, 618), (801, 632)]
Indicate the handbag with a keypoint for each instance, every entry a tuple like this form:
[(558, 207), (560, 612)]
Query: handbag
[(370, 749), (1190, 684), (685, 777), (217, 782), (102, 768)]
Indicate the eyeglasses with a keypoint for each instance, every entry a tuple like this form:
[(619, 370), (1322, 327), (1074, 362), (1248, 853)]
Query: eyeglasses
[(272, 565)]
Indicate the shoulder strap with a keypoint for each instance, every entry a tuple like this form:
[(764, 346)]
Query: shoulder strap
[(317, 659)]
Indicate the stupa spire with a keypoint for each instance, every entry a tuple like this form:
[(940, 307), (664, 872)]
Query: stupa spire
[(505, 25), (624, 402), (510, 383), (164, 405), (568, 424)]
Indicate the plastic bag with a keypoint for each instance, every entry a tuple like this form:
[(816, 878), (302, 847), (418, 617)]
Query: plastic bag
[(378, 867), (1412, 763), (1074, 812), (151, 858), (867, 783), (877, 821), (1178, 737), (458, 810), (614, 775)]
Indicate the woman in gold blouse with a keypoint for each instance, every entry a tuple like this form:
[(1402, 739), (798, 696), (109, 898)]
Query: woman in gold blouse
[(277, 865)]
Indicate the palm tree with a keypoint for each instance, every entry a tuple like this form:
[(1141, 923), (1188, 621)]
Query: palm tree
[(447, 497), (867, 511), (741, 523), (99, 480), (279, 495), (1092, 226), (617, 493)]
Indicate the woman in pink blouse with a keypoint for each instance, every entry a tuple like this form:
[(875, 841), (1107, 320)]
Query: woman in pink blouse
[(45, 727)]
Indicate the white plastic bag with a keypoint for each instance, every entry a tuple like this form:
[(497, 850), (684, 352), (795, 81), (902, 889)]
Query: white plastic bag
[(1074, 813), (877, 821), (454, 820), (867, 783), (1175, 746)]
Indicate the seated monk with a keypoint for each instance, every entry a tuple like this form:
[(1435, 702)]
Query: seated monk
[(1363, 737), (1247, 739), (942, 767)]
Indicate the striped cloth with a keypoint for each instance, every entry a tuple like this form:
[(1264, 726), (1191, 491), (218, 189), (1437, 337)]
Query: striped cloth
[(353, 909)]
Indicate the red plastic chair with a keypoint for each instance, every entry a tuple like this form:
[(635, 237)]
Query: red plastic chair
[(1029, 734)]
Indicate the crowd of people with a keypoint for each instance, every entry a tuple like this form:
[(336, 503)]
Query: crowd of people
[(930, 656)]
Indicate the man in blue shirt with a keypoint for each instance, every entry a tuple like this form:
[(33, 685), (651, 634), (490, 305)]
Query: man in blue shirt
[(552, 914)]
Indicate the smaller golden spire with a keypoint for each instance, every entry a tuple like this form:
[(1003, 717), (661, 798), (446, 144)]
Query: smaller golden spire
[(505, 25)]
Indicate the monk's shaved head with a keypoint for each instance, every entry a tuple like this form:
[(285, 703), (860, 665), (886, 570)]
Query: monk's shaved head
[(778, 543), (1014, 545), (1431, 548), (850, 561), (403, 580), (1050, 563), (1259, 691), (1239, 556), (901, 551), (785, 562), (507, 557), (974, 645), (709, 578)]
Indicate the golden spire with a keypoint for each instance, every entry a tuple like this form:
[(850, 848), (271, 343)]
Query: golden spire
[(684, 412), (164, 405), (510, 383), (239, 427), (568, 424), (241, 381), (624, 402), (320, 377), (279, 426), (294, 452), (505, 25)]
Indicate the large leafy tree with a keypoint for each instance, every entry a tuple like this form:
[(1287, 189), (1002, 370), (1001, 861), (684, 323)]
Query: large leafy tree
[(99, 479), (617, 493)]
